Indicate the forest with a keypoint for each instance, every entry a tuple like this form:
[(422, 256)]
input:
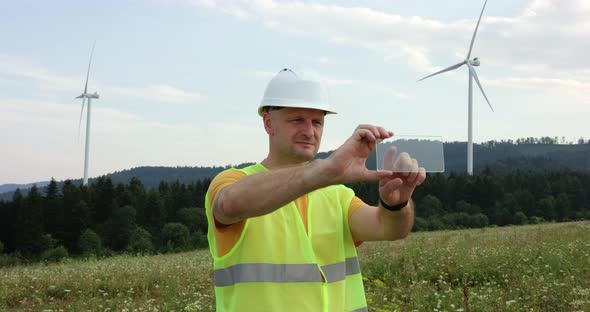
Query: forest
[(103, 218), (148, 210)]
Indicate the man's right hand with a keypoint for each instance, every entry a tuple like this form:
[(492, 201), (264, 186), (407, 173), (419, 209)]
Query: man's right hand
[(348, 162)]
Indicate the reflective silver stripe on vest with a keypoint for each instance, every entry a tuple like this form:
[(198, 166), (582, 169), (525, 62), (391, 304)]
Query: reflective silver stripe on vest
[(365, 309), (267, 272), (338, 271), (284, 273)]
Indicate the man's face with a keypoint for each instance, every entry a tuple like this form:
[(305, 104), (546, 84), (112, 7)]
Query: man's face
[(295, 133)]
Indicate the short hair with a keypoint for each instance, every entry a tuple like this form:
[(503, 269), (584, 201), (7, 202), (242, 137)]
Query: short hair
[(271, 108), (274, 108)]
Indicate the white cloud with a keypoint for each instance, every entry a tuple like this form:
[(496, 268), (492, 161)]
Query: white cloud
[(42, 114), (264, 74), (550, 37), (572, 95), (400, 95), (371, 29), (44, 78), (337, 82), (48, 80), (164, 93), (204, 3), (541, 83)]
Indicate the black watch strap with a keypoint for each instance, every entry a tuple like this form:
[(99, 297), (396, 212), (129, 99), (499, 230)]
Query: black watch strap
[(397, 207)]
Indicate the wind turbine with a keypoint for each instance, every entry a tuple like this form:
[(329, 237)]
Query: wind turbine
[(84, 96), (472, 75)]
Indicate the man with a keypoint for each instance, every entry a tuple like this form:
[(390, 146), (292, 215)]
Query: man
[(282, 233)]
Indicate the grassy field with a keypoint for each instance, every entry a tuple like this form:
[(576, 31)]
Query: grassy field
[(527, 268)]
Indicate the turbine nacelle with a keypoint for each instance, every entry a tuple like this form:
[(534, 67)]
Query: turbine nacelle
[(474, 61), (88, 95)]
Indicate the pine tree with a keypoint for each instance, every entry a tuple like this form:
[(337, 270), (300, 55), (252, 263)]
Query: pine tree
[(53, 213), (155, 214), (28, 227), (138, 198), (103, 197), (7, 218), (120, 227)]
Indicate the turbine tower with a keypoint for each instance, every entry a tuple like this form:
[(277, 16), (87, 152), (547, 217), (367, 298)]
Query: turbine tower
[(87, 96), (472, 75)]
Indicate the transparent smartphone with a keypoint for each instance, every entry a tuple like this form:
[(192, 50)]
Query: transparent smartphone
[(427, 150)]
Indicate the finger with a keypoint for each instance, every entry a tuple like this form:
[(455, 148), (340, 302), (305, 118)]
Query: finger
[(388, 158), (385, 179), (384, 134), (403, 163), (365, 134), (415, 170), (408, 165), (421, 176), (384, 173), (373, 130), (392, 185), (376, 175)]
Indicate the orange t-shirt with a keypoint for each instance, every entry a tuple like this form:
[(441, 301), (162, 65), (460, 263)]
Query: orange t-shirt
[(227, 236)]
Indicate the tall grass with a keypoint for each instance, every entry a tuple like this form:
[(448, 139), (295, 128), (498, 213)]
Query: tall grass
[(527, 268), (177, 282)]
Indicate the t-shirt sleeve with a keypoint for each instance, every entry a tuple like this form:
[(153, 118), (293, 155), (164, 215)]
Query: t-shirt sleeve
[(355, 203), (226, 236)]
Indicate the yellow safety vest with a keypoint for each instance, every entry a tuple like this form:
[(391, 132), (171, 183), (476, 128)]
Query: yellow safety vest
[(277, 266)]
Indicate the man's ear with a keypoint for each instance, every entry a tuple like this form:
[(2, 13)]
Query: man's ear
[(266, 118)]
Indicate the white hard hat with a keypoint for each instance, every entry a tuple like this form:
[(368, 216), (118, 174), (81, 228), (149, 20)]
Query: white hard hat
[(289, 89)]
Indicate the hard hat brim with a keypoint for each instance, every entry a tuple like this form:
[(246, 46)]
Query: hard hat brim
[(262, 107)]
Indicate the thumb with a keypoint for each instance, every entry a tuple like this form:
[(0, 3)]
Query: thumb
[(376, 175)]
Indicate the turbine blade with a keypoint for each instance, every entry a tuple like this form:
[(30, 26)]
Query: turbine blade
[(445, 70), (474, 75), (475, 32), (81, 114), (90, 62)]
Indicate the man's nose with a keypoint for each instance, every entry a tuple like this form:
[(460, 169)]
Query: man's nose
[(308, 128)]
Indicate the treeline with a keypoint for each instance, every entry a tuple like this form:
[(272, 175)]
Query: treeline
[(458, 200), (152, 176), (104, 219), (542, 140), (535, 154), (551, 140)]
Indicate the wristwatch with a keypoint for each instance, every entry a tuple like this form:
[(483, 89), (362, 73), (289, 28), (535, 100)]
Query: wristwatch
[(397, 207)]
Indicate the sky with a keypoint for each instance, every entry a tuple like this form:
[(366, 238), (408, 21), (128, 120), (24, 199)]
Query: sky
[(180, 80)]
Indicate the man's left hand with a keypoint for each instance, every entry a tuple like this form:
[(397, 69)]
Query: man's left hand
[(398, 188)]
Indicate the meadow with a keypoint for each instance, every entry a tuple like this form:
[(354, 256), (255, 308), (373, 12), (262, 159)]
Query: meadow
[(521, 268)]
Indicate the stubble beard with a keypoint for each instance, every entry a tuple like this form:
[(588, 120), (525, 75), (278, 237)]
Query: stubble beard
[(298, 154)]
